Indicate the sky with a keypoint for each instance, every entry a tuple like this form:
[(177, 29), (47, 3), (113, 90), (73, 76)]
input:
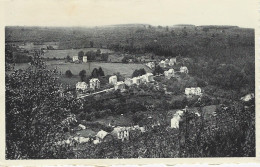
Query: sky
[(241, 13)]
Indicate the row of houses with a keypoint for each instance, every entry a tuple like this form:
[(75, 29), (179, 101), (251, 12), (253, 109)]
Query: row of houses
[(118, 133), (76, 58), (193, 91), (94, 84), (148, 77), (165, 63)]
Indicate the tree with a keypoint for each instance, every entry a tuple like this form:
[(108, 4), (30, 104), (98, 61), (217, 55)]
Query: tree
[(68, 58), (68, 74), (139, 72), (34, 113), (91, 43), (158, 70), (82, 74), (80, 55), (98, 52), (94, 73), (101, 72)]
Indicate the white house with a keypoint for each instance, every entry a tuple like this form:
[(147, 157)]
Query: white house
[(102, 136), (75, 58), (167, 61), (121, 133), (198, 91), (193, 91), (137, 80), (81, 86), (184, 69), (172, 61), (129, 81), (82, 126), (94, 83), (176, 119), (168, 74), (150, 64), (70, 119), (120, 85), (162, 64), (113, 80), (85, 59), (148, 77), (248, 97)]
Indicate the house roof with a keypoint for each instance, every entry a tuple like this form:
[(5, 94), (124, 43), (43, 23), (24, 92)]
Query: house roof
[(94, 80), (120, 83), (81, 84)]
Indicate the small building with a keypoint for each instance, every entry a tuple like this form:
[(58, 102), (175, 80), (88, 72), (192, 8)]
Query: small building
[(75, 58), (162, 64), (172, 61), (82, 126), (120, 85), (198, 91), (184, 69), (167, 61), (193, 91), (248, 97), (137, 80), (176, 119), (148, 77), (81, 86), (120, 133), (103, 136), (150, 65), (85, 59), (168, 74), (113, 80), (94, 83), (129, 81)]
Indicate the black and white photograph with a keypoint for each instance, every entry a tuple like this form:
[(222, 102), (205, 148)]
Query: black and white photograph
[(131, 79)]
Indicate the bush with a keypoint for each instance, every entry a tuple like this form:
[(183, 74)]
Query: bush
[(68, 74)]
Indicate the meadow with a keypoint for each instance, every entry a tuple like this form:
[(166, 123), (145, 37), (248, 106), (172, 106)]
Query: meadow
[(71, 52), (125, 70)]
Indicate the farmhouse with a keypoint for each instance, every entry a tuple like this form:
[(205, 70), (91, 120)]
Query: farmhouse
[(113, 80), (120, 85), (120, 133), (75, 58), (168, 74), (184, 69), (129, 81), (94, 83), (85, 59), (81, 86), (172, 61)]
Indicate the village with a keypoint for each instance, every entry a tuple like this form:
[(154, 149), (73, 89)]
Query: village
[(132, 91), (119, 132)]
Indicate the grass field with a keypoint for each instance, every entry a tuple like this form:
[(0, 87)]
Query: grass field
[(109, 68), (71, 52), (125, 70)]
